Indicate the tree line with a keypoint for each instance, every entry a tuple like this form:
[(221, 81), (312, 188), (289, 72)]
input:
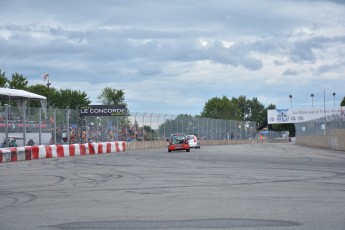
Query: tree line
[(60, 98)]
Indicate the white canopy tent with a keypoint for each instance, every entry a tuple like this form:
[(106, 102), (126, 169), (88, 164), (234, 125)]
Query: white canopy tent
[(21, 98)]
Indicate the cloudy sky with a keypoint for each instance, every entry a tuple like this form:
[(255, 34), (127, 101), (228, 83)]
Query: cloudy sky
[(173, 56)]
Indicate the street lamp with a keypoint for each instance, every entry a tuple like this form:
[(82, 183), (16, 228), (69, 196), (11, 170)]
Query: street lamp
[(334, 98), (312, 100), (290, 96)]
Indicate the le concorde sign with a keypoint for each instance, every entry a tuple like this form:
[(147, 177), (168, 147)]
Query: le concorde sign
[(280, 116), (103, 110)]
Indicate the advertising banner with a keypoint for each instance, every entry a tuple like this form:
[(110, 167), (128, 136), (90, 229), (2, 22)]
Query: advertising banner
[(103, 110), (281, 116)]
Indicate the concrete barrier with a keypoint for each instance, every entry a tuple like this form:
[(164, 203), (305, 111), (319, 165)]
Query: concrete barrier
[(334, 140), (54, 151)]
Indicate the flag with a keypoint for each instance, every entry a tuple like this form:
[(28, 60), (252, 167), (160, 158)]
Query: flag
[(45, 76)]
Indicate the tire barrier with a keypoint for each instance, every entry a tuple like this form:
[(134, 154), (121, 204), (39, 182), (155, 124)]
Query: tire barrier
[(25, 153)]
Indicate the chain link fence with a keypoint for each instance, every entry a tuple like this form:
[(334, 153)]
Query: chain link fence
[(325, 126), (60, 126)]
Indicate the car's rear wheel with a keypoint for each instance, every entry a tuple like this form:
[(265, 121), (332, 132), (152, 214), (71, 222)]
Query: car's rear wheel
[(187, 150), (169, 150)]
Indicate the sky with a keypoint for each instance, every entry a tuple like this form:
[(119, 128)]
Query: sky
[(171, 57)]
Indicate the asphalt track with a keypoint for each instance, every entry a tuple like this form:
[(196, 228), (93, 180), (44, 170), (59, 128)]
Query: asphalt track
[(261, 186)]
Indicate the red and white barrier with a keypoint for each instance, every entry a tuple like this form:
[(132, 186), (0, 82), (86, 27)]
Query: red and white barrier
[(53, 151)]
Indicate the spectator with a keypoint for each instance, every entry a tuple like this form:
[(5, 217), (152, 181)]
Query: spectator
[(30, 143), (4, 144), (13, 143)]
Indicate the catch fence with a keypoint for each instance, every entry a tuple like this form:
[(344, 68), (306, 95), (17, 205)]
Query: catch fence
[(60, 126), (324, 126)]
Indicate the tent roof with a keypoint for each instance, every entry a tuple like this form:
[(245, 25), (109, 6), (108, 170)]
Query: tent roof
[(6, 93)]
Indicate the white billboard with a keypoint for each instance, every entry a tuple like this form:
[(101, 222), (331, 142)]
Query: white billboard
[(281, 116)]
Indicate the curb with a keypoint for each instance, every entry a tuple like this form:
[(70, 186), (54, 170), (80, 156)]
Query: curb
[(26, 153)]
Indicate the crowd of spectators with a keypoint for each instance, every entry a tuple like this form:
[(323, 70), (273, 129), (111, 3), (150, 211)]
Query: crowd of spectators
[(95, 134)]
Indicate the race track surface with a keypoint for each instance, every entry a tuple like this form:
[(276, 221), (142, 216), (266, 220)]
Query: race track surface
[(261, 186)]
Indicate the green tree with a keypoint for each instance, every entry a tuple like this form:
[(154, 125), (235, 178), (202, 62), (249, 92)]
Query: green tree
[(244, 108), (18, 82), (67, 98), (342, 102), (240, 109), (220, 108), (214, 107), (3, 80), (39, 89), (261, 117), (110, 96)]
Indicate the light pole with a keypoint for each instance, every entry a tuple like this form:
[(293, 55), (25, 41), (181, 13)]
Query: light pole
[(46, 77), (312, 100), (334, 98), (290, 96)]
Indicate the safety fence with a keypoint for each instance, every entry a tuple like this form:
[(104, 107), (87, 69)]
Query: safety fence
[(326, 132), (323, 126), (66, 126)]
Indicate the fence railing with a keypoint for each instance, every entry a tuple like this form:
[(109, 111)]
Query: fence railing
[(67, 126)]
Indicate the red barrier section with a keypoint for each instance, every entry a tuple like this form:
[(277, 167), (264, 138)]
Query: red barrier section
[(91, 148), (123, 146), (71, 150), (14, 154), (108, 147), (117, 147), (60, 151), (83, 149), (27, 153), (51, 151), (100, 148), (35, 152)]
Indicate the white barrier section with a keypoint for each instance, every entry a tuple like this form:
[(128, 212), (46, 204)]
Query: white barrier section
[(76, 149), (54, 151), (95, 147), (21, 154), (42, 152), (112, 147), (6, 155), (86, 148), (120, 143), (104, 147), (66, 150)]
